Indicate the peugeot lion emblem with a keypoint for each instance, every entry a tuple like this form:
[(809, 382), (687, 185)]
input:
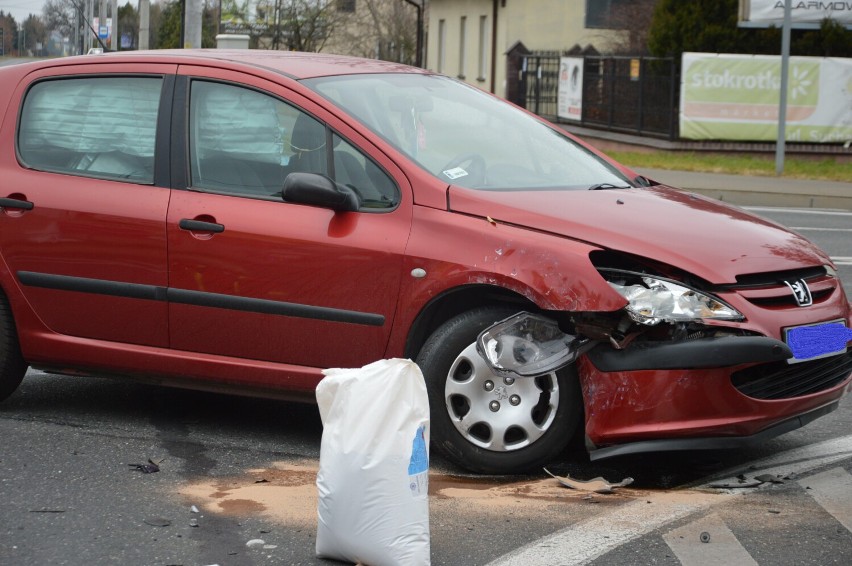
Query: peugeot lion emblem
[(801, 292)]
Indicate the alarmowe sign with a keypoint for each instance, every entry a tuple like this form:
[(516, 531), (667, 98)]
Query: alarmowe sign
[(736, 97), (771, 12)]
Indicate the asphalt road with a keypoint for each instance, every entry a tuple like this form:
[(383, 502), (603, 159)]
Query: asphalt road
[(235, 469), (69, 496), (829, 229)]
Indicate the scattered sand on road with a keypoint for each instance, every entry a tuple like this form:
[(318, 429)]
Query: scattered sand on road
[(286, 493)]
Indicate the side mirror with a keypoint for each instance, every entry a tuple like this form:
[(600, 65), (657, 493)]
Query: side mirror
[(318, 190)]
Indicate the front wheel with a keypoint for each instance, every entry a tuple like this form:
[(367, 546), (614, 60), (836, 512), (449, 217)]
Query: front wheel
[(488, 423)]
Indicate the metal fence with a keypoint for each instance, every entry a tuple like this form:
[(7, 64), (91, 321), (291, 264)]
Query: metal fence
[(628, 94)]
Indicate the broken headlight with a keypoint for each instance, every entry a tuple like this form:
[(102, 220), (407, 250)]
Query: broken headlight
[(652, 300), (527, 345)]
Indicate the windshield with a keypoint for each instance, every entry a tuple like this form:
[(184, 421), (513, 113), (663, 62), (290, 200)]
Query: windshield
[(464, 136)]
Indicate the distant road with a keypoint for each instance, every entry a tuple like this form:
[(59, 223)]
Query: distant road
[(14, 60)]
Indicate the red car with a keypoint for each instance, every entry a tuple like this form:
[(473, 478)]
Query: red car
[(240, 220)]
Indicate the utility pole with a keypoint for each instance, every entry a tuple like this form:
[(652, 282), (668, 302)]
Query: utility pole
[(144, 10), (90, 18), (115, 36), (192, 25), (782, 106)]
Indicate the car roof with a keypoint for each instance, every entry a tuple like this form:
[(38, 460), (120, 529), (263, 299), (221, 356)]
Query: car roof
[(295, 64)]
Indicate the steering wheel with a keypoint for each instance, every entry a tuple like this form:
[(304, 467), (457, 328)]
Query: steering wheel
[(471, 176)]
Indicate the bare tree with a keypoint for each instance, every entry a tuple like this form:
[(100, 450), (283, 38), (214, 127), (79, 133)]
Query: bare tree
[(633, 19), (382, 29), (35, 35), (304, 25), (61, 15)]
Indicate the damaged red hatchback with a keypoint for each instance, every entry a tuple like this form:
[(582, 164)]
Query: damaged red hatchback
[(238, 221)]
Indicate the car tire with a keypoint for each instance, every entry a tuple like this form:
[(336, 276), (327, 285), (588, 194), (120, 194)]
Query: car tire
[(12, 365), (518, 425)]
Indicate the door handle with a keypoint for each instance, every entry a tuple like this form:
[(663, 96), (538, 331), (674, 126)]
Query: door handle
[(15, 203), (200, 226)]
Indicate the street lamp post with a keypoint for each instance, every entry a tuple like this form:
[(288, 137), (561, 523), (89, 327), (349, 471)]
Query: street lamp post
[(782, 106), (418, 58)]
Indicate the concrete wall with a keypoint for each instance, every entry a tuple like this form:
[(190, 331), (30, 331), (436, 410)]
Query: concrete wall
[(540, 24)]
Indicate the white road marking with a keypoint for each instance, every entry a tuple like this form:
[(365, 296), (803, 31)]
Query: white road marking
[(840, 260), (587, 540), (833, 491), (818, 229), (832, 212), (720, 547)]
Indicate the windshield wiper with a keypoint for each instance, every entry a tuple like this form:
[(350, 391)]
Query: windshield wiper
[(603, 186)]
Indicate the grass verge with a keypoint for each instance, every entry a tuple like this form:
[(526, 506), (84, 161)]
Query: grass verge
[(824, 169)]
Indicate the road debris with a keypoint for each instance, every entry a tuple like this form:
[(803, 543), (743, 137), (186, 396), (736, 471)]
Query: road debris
[(597, 485), (744, 482), (149, 468), (157, 522), (256, 543), (704, 537)]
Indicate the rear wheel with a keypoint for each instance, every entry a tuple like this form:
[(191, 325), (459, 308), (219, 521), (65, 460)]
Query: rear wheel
[(12, 365), (488, 423)]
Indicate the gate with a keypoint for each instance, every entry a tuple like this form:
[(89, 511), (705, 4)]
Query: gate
[(636, 95)]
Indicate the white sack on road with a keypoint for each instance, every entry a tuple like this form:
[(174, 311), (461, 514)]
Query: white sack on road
[(374, 465)]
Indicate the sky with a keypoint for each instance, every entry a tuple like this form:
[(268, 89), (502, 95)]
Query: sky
[(20, 9)]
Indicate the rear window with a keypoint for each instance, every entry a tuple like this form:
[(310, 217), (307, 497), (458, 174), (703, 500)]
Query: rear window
[(103, 127)]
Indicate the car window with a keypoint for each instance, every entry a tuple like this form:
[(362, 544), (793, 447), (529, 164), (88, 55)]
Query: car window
[(244, 142), (353, 169), (102, 127), (464, 136)]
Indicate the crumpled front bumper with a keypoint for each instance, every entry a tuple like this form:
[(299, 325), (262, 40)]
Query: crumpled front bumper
[(690, 354), (710, 393)]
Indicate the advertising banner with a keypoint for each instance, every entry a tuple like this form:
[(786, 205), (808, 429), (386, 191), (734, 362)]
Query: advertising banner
[(570, 96), (771, 12), (736, 97), (251, 17)]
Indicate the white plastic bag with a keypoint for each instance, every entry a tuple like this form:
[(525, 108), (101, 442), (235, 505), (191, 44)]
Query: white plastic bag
[(374, 465)]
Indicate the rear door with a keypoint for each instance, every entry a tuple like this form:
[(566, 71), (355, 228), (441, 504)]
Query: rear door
[(254, 277), (85, 195)]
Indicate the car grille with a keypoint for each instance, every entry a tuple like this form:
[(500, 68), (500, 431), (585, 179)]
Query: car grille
[(769, 290), (780, 380)]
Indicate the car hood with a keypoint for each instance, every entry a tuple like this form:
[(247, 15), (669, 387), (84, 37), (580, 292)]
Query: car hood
[(705, 237)]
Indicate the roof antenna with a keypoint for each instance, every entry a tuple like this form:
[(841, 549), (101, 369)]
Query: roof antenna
[(83, 16)]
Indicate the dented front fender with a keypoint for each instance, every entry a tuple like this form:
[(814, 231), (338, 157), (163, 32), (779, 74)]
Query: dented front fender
[(454, 250)]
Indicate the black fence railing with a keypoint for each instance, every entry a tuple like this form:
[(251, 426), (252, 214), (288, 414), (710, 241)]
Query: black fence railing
[(628, 94)]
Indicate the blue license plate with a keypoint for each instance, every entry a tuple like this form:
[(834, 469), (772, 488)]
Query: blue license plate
[(817, 340)]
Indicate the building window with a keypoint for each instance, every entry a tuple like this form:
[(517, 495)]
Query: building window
[(346, 6), (609, 14), (462, 46), (483, 48), (442, 45)]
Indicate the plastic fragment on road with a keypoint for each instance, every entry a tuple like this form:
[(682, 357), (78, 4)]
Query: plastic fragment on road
[(736, 485), (374, 465), (157, 522), (744, 482), (596, 485), (148, 468), (256, 543)]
